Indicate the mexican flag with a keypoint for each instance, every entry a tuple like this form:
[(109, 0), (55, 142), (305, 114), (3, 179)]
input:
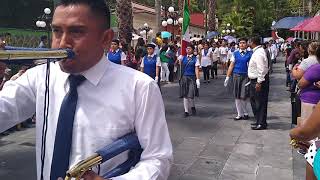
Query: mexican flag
[(185, 28)]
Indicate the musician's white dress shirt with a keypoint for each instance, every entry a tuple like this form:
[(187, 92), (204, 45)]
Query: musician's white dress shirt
[(113, 101), (258, 65)]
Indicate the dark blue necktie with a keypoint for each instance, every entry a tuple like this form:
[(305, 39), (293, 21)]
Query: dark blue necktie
[(205, 52), (63, 140)]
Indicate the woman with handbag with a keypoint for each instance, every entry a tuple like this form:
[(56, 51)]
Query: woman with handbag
[(239, 70), (190, 80)]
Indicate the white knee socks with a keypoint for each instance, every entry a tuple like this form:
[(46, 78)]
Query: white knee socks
[(186, 104), (244, 107), (239, 108)]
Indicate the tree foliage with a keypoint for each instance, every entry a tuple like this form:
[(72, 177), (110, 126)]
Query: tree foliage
[(22, 13), (248, 18)]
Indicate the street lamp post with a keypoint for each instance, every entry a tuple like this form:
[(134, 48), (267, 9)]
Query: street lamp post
[(172, 18), (145, 31), (44, 22), (228, 29)]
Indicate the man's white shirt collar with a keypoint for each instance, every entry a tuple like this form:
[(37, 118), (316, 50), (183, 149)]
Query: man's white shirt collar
[(95, 73)]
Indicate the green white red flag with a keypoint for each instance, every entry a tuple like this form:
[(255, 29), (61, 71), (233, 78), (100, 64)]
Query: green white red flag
[(185, 28)]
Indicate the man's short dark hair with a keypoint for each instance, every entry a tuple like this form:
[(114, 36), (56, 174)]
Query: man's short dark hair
[(256, 41), (97, 7), (243, 39)]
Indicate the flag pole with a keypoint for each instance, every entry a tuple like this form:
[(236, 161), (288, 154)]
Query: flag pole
[(181, 34), (181, 39)]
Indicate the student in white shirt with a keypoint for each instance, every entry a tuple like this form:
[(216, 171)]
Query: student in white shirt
[(190, 80), (273, 51), (224, 56), (215, 59), (205, 59), (112, 100), (259, 84), (238, 71), (231, 50), (115, 54)]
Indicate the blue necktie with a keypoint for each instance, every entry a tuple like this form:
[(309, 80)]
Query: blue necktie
[(63, 140)]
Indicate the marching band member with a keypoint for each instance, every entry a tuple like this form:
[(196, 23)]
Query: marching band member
[(89, 100), (151, 63), (239, 69), (115, 54), (190, 80)]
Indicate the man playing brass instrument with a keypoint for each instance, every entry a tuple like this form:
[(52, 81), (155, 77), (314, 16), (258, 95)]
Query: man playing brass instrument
[(92, 101)]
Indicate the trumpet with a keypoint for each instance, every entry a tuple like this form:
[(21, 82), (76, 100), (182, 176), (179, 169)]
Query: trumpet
[(26, 55), (128, 142)]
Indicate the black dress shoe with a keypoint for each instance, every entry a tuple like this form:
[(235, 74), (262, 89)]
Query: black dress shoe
[(259, 127), (238, 118), (193, 111), (246, 117), (186, 115), (254, 124)]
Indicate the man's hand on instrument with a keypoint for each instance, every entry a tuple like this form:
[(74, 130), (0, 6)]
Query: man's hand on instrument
[(90, 175)]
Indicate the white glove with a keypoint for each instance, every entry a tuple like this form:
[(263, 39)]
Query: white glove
[(198, 83), (226, 81), (156, 79)]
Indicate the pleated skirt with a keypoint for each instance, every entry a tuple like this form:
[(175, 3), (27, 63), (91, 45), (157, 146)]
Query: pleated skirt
[(188, 87), (240, 90)]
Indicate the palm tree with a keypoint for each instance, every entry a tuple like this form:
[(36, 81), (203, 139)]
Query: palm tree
[(180, 4), (157, 6), (212, 15), (125, 20)]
